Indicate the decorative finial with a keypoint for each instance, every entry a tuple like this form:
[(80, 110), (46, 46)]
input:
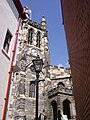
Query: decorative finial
[(27, 12), (43, 19)]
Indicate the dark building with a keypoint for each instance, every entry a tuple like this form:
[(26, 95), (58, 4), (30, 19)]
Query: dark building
[(76, 20)]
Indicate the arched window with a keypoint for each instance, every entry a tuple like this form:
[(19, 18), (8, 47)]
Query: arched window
[(32, 90), (61, 84), (38, 40), (66, 108), (30, 35)]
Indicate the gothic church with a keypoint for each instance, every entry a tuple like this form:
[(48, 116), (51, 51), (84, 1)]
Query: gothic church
[(55, 92)]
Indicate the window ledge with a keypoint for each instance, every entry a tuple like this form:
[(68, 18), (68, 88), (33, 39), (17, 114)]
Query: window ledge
[(32, 98), (4, 52)]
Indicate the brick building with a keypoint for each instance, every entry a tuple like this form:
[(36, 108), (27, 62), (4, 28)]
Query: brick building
[(76, 20)]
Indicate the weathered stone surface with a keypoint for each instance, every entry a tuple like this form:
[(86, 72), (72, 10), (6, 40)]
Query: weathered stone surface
[(51, 91)]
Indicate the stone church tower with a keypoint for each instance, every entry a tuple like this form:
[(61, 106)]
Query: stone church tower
[(33, 40)]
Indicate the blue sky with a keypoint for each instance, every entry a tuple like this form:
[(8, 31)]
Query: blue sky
[(52, 13)]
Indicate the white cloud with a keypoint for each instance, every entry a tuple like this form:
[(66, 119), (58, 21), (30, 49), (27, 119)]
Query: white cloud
[(60, 65)]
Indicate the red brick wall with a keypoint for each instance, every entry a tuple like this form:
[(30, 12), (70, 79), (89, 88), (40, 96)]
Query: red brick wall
[(76, 18)]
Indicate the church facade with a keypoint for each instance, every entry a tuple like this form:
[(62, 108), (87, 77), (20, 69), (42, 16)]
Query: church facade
[(55, 92)]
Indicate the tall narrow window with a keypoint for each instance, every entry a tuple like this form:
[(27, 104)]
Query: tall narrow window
[(30, 35), (21, 86), (32, 90), (38, 40), (7, 41), (66, 108)]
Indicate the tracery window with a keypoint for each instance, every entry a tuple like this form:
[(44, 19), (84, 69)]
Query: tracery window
[(30, 35), (32, 90), (38, 40)]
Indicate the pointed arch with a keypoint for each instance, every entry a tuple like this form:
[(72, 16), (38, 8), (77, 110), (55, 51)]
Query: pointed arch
[(54, 106), (66, 108), (38, 39), (61, 84), (30, 35)]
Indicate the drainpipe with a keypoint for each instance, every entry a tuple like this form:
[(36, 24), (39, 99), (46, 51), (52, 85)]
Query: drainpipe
[(10, 73)]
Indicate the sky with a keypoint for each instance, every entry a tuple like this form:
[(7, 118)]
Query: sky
[(51, 9)]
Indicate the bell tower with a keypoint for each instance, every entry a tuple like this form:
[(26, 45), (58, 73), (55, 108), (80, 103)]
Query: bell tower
[(33, 41)]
